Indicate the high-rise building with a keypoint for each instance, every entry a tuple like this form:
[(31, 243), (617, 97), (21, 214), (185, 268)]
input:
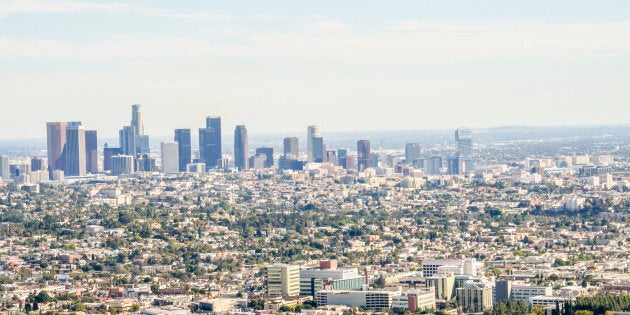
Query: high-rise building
[(91, 151), (311, 133), (283, 280), (5, 172), (434, 165), (268, 153), (363, 154), (184, 150), (413, 153), (56, 143), (136, 119), (241, 148), (210, 142), (75, 150), (127, 137), (170, 157), (257, 161), (331, 157), (141, 140), (291, 148), (108, 153), (463, 138), (122, 164), (341, 154), (475, 297), (37, 164), (318, 150)]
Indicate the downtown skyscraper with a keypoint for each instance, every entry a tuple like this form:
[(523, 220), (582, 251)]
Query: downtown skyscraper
[(184, 149), (75, 150), (463, 139), (363, 154), (56, 144), (210, 142), (311, 133), (91, 151), (241, 148)]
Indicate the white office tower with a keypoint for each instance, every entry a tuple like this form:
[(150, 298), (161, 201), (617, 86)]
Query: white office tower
[(170, 157), (311, 132)]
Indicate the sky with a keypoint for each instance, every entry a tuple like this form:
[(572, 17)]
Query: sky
[(278, 66)]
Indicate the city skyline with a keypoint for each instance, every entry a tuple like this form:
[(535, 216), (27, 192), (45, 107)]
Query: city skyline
[(280, 66)]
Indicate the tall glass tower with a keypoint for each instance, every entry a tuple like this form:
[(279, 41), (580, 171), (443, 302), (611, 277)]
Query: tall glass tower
[(241, 148)]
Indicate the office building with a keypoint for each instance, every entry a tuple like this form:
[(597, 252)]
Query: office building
[(430, 266), (108, 153), (241, 148), (347, 162), (184, 148), (452, 165), (141, 140), (363, 155), (283, 280), (524, 292), (318, 150), (373, 300), (122, 164), (170, 157), (291, 147), (136, 119), (311, 133), (502, 290), (145, 163), (142, 144), (419, 300), (210, 142), (413, 154), (127, 138), (315, 279), (434, 165), (257, 161), (442, 284), (37, 164), (475, 297), (463, 139), (5, 173), (75, 150), (91, 151), (268, 153), (331, 157), (56, 143), (341, 153)]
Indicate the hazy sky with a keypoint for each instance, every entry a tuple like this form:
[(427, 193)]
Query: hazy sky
[(282, 65)]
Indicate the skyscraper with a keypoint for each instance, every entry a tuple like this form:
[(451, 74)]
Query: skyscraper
[(122, 164), (363, 154), (91, 151), (268, 153), (136, 119), (141, 141), (413, 153), (291, 147), (463, 138), (56, 142), (170, 157), (184, 150), (127, 137), (5, 173), (241, 148), (75, 150), (108, 153), (311, 132), (37, 164), (210, 142), (318, 150)]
